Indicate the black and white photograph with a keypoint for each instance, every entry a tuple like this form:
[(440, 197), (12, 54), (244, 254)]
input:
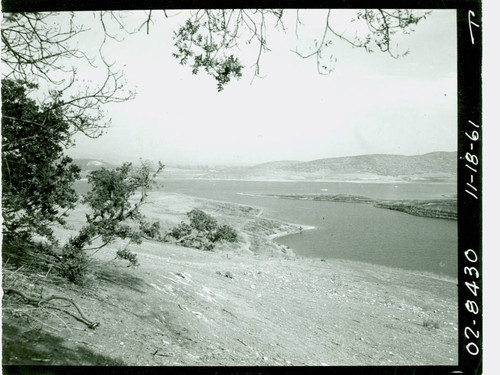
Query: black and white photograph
[(241, 187)]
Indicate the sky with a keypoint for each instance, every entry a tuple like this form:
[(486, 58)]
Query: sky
[(370, 103)]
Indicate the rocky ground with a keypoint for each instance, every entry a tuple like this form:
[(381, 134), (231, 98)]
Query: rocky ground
[(253, 303)]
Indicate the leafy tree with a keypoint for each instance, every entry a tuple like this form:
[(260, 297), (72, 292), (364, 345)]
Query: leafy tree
[(112, 208), (43, 105), (208, 39), (37, 179), (113, 214), (42, 48)]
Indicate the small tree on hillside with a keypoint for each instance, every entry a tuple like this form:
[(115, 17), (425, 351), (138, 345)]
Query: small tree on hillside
[(113, 213)]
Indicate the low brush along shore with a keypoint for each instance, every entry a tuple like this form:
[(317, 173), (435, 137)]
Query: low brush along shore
[(249, 303)]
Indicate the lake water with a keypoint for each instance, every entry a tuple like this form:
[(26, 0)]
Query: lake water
[(352, 231)]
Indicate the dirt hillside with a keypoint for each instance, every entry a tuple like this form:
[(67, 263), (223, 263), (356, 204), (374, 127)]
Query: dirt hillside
[(253, 303)]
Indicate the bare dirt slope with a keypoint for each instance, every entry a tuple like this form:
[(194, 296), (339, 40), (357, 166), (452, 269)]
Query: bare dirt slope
[(250, 304)]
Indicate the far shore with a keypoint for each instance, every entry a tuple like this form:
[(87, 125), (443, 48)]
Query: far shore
[(340, 180), (444, 208)]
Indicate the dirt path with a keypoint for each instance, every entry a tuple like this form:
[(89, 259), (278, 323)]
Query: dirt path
[(251, 305)]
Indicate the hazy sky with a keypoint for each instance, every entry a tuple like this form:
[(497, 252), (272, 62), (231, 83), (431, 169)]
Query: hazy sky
[(371, 103)]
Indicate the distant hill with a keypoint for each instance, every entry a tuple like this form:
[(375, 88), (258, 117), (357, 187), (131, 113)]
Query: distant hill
[(380, 164), (87, 165), (435, 166)]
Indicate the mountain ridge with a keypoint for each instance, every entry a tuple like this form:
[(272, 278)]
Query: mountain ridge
[(438, 166), (385, 164)]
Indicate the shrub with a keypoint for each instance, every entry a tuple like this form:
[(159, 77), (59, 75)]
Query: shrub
[(202, 232), (198, 241), (74, 264), (151, 230), (202, 221), (181, 230), (226, 233), (126, 254)]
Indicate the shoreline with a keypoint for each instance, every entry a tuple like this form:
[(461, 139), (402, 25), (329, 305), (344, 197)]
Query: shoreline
[(298, 228), (184, 306), (297, 231), (281, 228)]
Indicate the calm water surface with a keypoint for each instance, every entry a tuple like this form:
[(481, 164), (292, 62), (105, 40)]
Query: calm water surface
[(348, 230), (352, 231)]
